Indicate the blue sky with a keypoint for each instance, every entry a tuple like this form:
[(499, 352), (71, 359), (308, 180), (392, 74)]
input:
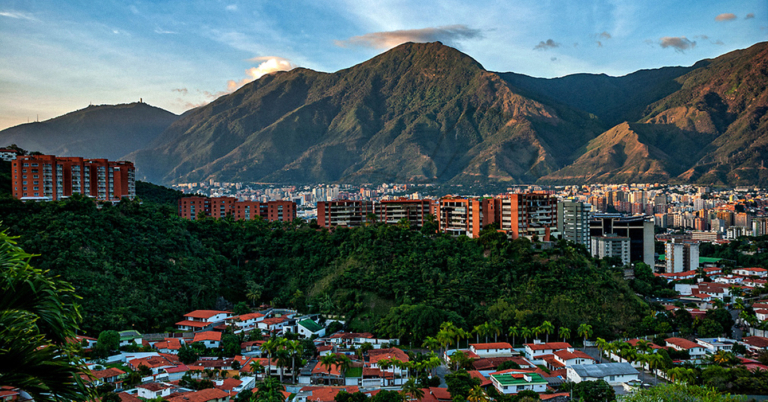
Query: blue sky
[(59, 56)]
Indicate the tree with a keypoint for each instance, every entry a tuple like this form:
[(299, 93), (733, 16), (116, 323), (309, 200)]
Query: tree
[(710, 328), (585, 331), (144, 370), (253, 292), (108, 341), (188, 354), (679, 392), (514, 332), (477, 395), (564, 333), (431, 343), (241, 308), (230, 345), (38, 313), (256, 368), (412, 389), (602, 344), (547, 328), (269, 391), (344, 396), (271, 346), (460, 383), (328, 360), (594, 391), (525, 332)]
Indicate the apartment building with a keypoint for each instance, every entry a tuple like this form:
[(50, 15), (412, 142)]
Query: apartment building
[(573, 222), (527, 214), (51, 178), (639, 230), (460, 216), (221, 207), (611, 245), (415, 211), (681, 256), (344, 213)]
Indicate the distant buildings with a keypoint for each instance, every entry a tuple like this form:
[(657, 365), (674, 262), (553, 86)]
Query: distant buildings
[(51, 178), (221, 207), (681, 256), (611, 245), (344, 213), (639, 230), (573, 222)]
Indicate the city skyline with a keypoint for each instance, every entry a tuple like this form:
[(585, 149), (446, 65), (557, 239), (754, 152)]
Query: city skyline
[(60, 57)]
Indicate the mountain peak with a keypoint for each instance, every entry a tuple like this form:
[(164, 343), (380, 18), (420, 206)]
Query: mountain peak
[(426, 54)]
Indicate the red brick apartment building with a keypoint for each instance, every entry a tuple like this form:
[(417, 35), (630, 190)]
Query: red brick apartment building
[(416, 211), (220, 207), (51, 178)]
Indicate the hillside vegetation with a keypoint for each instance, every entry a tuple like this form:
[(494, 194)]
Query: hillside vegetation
[(140, 266)]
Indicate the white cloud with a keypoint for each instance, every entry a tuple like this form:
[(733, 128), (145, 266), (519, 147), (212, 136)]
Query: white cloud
[(267, 65), (447, 34), (17, 15), (231, 7), (726, 17)]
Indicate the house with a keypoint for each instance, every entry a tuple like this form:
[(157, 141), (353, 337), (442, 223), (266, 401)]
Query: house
[(322, 394), (761, 314), (155, 363), (758, 272), (491, 349), (730, 279), (274, 324), (169, 345), (205, 395), (755, 343), (251, 347), (154, 390), (211, 339), (199, 320), (247, 321), (612, 373), (307, 328), (130, 337), (492, 363), (376, 355), (536, 349), (175, 373), (570, 357), (715, 344), (111, 375), (694, 349), (348, 339), (514, 382)]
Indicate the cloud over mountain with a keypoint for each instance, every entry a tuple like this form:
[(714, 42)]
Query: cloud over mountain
[(448, 34), (679, 43)]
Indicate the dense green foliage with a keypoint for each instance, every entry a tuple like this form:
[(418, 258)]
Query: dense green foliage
[(741, 252), (148, 192), (39, 318), (140, 266), (677, 393)]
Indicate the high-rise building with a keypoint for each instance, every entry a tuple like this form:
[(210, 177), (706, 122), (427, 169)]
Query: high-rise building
[(611, 246), (415, 211), (639, 229), (460, 216), (50, 178), (527, 214), (344, 213), (681, 256), (573, 222)]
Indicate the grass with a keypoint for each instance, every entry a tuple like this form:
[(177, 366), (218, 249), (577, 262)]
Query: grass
[(543, 368), (119, 365)]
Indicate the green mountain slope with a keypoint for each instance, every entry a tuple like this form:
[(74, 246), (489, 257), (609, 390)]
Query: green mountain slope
[(419, 112), (105, 131)]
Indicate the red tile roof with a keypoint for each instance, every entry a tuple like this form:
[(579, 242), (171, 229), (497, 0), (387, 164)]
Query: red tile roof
[(633, 342), (322, 369), (190, 323), (207, 336), (273, 321), (490, 363), (546, 397), (228, 384), (549, 346), (246, 317), (379, 354), (151, 362), (169, 343), (128, 397), (204, 314), (441, 394), (756, 341), (486, 346), (110, 372), (683, 343), (576, 354), (483, 381), (200, 396), (352, 335), (551, 361)]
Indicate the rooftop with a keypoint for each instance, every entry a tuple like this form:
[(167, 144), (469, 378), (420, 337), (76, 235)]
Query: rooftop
[(518, 379), (603, 369)]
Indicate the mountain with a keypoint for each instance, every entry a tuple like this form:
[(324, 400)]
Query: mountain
[(712, 130), (419, 112), (105, 131)]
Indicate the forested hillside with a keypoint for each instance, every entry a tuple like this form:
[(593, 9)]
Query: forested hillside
[(140, 266)]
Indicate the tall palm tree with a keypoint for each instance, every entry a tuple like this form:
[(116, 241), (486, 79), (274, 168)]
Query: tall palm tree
[(537, 331), (602, 344), (460, 333), (431, 343), (547, 328), (654, 361), (642, 359), (479, 330), (328, 361), (494, 327), (564, 333), (412, 389), (38, 313), (256, 368), (585, 331), (283, 359), (445, 338), (296, 349), (271, 347), (515, 332), (643, 346), (525, 332)]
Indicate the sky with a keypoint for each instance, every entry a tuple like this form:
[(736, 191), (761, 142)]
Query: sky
[(58, 56)]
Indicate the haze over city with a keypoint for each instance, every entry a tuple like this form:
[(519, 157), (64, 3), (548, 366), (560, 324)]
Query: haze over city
[(56, 57)]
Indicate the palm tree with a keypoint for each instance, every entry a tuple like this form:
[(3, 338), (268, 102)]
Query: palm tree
[(585, 331), (431, 344), (547, 328), (283, 359), (494, 327), (271, 347), (412, 389), (477, 394), (654, 361), (602, 344), (479, 330), (718, 303), (256, 367), (38, 313), (460, 333), (643, 346), (723, 357), (642, 359), (565, 333), (344, 363), (525, 332), (296, 349), (515, 332), (444, 337), (536, 331), (328, 361)]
